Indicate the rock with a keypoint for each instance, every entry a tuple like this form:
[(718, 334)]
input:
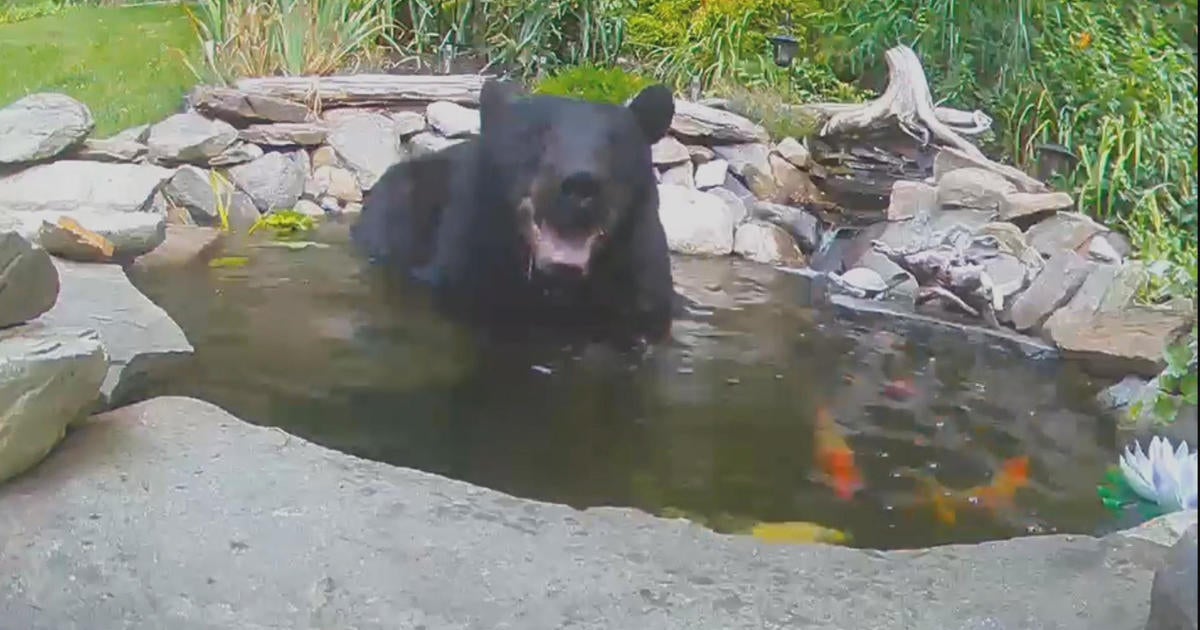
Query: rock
[(428, 142), (1130, 341), (795, 153), (319, 526), (237, 153), (330, 204), (285, 134), (323, 156), (803, 226), (735, 186), (680, 174), (1050, 290), (241, 108), (695, 222), (352, 208), (696, 121), (131, 234), (735, 205), (41, 126), (973, 188), (136, 334), (792, 185), (366, 143), (189, 137), (184, 244), (1173, 592), (1099, 249), (273, 182), (192, 188), (1022, 205), (743, 157), (408, 123), (947, 162), (669, 152), (1007, 274), (700, 154), (1130, 277), (452, 120), (1065, 231), (69, 185), (1086, 301), (765, 243), (28, 282), (49, 379), (860, 282), (338, 183), (111, 150), (309, 208), (711, 174), (910, 199), (1012, 241)]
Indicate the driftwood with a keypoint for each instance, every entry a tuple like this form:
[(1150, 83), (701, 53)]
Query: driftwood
[(360, 90), (946, 272), (907, 102)]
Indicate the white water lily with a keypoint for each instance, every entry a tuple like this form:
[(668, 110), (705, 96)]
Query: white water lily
[(1161, 475)]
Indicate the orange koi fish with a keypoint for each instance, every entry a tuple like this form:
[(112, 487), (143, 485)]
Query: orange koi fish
[(993, 496), (835, 458)]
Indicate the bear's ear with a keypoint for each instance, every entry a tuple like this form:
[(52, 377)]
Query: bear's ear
[(494, 98), (653, 108)]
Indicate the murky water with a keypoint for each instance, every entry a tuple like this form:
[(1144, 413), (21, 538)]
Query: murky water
[(719, 425)]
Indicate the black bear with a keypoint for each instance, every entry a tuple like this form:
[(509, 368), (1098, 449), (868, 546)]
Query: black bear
[(549, 216)]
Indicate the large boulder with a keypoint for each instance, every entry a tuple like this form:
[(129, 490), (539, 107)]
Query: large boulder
[(366, 143), (1065, 231), (41, 126), (695, 222), (189, 137), (974, 188), (28, 280), (70, 185), (1128, 341), (910, 199), (1050, 290), (709, 124), (135, 332), (48, 379), (1173, 592), (274, 181)]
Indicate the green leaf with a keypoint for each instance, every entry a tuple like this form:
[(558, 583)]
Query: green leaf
[(1187, 387), (1177, 357), (1165, 408)]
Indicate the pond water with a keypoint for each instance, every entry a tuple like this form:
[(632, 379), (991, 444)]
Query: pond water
[(718, 425)]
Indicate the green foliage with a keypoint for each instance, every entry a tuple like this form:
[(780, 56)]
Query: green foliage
[(592, 83), (284, 224), (117, 61), (1177, 381)]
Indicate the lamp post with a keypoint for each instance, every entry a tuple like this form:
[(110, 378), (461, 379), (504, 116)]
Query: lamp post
[(784, 46)]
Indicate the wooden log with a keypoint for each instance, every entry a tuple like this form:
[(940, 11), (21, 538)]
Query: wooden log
[(908, 103), (357, 90)]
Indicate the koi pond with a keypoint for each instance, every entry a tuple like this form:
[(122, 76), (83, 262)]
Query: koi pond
[(746, 417)]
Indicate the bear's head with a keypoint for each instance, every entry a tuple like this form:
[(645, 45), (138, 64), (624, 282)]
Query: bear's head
[(577, 174)]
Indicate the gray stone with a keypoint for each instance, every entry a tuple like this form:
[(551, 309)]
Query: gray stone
[(1173, 592), (737, 207), (238, 153), (765, 243), (1086, 301), (680, 175), (735, 186), (314, 537), (693, 120), (366, 143), (136, 133), (41, 126), (183, 245), (1050, 290), (859, 282), (1065, 231), (695, 222), (711, 174), (324, 156), (111, 150), (946, 162), (744, 157), (274, 181), (28, 280), (1130, 277), (797, 154), (700, 154), (1100, 249), (131, 233), (69, 185), (790, 184), (285, 134), (49, 379), (1022, 205), (669, 152), (910, 199), (337, 182), (802, 225), (189, 137), (973, 188), (309, 208), (136, 334), (243, 108), (1008, 275), (452, 120), (427, 142), (1129, 341), (408, 123), (192, 188), (352, 208)]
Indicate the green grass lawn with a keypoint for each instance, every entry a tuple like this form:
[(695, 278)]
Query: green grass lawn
[(123, 63)]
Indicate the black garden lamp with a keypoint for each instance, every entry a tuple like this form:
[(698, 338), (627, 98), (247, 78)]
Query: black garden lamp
[(785, 46), (1055, 159)]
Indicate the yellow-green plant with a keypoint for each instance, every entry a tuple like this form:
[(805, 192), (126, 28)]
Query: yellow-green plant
[(593, 83)]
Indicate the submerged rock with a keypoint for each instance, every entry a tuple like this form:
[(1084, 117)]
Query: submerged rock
[(28, 280), (183, 244), (41, 126), (48, 380)]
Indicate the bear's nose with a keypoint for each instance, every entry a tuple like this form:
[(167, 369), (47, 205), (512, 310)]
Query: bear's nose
[(581, 187)]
